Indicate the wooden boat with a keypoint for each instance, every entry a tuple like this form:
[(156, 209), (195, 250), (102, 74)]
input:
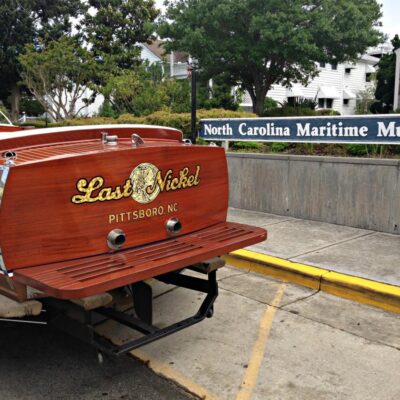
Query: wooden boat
[(6, 125), (86, 210)]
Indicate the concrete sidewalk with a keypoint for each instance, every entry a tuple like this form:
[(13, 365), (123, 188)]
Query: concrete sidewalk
[(272, 340), (369, 255)]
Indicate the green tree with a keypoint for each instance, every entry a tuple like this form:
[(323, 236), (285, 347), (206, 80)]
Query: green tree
[(218, 94), (386, 79), (58, 75), (365, 99), (23, 22), (259, 43), (136, 91), (113, 29)]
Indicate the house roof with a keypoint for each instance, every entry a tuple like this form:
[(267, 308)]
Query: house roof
[(328, 92), (158, 49), (369, 59)]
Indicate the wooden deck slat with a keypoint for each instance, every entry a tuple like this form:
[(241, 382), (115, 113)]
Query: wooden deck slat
[(86, 277)]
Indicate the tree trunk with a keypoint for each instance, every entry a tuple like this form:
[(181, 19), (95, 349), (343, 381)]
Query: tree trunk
[(15, 99), (258, 106), (258, 100)]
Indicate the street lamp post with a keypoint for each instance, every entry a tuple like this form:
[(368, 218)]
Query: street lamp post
[(192, 74)]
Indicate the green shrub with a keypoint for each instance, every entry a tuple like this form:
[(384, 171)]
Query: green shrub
[(129, 119), (181, 121), (327, 112), (289, 111), (356, 150), (279, 147), (300, 103), (31, 106), (106, 110), (269, 104), (247, 146)]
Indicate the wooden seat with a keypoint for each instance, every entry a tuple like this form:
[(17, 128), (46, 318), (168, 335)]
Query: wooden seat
[(89, 276)]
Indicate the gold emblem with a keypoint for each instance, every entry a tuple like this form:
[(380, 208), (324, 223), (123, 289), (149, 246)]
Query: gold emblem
[(144, 183)]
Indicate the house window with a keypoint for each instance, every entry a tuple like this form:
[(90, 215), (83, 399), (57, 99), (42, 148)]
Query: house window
[(325, 103), (322, 64), (346, 102), (348, 70), (334, 66), (368, 77), (291, 101)]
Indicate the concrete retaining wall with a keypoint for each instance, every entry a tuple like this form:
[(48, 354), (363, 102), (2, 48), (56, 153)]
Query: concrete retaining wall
[(363, 193)]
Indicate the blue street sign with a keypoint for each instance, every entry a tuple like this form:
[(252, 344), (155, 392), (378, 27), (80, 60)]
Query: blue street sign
[(373, 129)]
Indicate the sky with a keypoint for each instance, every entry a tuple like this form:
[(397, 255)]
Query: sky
[(391, 17), (390, 20)]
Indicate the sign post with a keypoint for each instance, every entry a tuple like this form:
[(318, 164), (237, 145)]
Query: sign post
[(363, 129)]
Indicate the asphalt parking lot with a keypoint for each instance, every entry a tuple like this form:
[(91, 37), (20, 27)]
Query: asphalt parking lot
[(40, 363), (267, 340)]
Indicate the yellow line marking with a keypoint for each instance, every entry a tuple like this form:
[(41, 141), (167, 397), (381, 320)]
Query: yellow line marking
[(365, 291), (165, 370), (257, 355)]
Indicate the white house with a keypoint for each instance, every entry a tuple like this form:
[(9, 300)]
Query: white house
[(336, 87), (175, 64)]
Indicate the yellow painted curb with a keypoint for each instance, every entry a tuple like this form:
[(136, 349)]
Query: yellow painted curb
[(362, 290), (166, 371)]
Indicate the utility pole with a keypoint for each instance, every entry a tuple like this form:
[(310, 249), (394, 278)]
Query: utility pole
[(192, 74)]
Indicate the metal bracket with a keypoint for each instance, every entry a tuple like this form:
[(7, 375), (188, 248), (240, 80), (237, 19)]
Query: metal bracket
[(83, 327)]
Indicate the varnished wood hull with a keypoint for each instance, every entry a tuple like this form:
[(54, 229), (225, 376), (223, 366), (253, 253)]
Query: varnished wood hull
[(9, 128), (63, 197)]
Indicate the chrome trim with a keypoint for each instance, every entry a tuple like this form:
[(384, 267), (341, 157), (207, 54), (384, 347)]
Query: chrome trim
[(4, 170), (187, 142), (136, 140), (6, 118), (111, 140), (3, 265), (9, 157)]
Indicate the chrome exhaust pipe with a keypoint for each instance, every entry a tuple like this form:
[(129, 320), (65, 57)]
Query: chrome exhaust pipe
[(173, 226), (116, 239)]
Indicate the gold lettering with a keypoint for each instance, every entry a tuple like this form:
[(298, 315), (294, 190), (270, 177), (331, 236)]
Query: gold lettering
[(87, 188), (173, 207), (197, 176), (104, 195), (175, 183), (183, 179), (127, 189), (94, 190), (162, 183)]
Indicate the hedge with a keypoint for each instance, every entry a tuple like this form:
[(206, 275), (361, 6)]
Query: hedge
[(162, 118)]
